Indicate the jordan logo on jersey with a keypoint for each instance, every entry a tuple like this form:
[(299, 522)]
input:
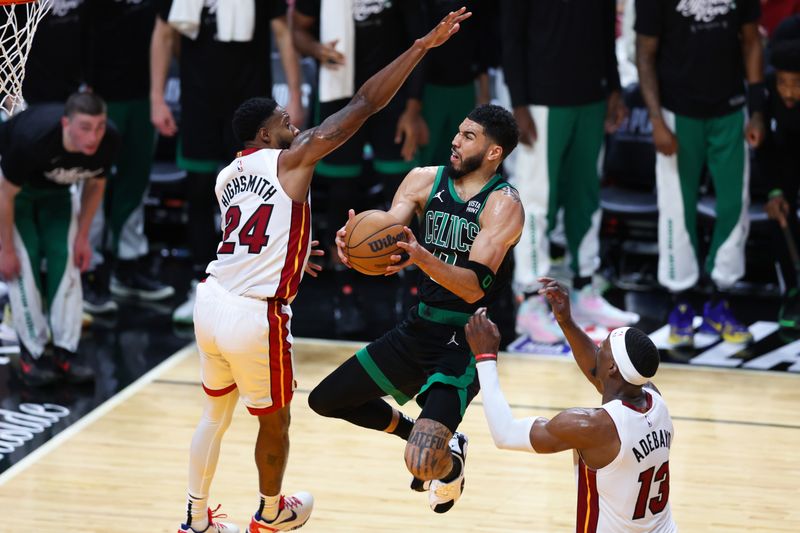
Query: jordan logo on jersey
[(438, 195), (453, 340)]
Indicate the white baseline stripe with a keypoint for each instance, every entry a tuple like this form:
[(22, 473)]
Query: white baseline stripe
[(97, 413)]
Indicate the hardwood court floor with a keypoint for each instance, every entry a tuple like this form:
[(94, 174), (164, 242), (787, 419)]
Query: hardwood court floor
[(734, 464)]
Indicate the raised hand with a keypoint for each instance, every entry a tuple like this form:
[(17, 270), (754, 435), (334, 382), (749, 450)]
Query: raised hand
[(558, 297), (446, 28), (483, 336)]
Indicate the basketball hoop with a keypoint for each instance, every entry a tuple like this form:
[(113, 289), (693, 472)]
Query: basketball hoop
[(20, 19)]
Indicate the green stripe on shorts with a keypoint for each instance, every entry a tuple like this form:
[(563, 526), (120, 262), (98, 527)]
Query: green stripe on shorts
[(379, 377), (460, 383)]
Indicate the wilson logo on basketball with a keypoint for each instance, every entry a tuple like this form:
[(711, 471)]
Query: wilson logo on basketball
[(379, 244)]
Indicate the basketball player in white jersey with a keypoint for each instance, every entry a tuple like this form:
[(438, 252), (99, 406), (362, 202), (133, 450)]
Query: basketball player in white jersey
[(621, 449), (242, 311)]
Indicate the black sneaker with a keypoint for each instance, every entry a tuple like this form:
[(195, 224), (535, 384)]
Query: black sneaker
[(96, 298), (36, 372), (128, 281), (71, 367)]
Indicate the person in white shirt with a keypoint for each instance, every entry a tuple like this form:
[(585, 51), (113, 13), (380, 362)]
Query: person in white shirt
[(621, 449)]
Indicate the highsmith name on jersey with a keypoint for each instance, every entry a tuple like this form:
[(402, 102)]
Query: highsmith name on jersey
[(266, 235)]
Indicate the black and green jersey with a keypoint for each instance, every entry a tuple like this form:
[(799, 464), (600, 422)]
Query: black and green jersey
[(448, 228)]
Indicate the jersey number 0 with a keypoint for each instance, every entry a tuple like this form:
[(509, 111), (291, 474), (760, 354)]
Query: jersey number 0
[(253, 233)]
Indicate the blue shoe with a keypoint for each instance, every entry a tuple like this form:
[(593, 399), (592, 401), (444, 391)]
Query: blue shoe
[(681, 327), (719, 320)]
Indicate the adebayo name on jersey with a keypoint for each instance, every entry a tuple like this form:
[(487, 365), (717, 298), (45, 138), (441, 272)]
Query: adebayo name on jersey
[(255, 184)]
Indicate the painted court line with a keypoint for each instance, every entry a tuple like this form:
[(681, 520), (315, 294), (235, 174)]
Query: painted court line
[(97, 413)]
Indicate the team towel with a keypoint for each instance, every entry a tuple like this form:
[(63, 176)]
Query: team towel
[(235, 18), (336, 24)]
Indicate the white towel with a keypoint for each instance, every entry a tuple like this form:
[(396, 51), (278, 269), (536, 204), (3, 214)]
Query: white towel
[(184, 16), (336, 23), (236, 20)]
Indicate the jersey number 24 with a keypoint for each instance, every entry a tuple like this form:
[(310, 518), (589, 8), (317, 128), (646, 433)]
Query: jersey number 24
[(253, 233)]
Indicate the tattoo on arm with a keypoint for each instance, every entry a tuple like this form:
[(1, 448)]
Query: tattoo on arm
[(512, 192)]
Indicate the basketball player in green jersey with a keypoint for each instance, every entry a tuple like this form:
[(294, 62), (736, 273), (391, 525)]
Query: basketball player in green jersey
[(470, 219)]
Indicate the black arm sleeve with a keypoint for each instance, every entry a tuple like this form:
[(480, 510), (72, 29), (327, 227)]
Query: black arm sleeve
[(514, 15)]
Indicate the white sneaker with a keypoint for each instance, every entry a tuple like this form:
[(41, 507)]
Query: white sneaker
[(184, 313), (294, 511), (535, 320), (589, 307), (213, 525), (443, 496)]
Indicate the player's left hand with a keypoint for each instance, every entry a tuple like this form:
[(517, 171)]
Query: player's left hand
[(413, 251), (755, 131), (558, 297), (312, 269), (82, 253), (483, 336)]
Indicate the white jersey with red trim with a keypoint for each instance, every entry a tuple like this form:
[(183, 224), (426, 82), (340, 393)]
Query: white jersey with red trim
[(631, 493), (266, 235)]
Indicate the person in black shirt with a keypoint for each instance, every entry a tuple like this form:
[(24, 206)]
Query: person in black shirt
[(470, 219), (693, 58), (58, 60), (45, 151), (779, 156), (561, 70), (217, 72), (119, 71), (380, 30)]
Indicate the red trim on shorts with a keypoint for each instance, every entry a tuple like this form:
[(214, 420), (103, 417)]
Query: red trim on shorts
[(219, 392), (588, 499), (280, 356), (267, 410), (296, 249)]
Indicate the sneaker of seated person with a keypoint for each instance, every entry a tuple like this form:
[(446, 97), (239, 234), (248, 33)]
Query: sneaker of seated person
[(71, 366), (130, 281)]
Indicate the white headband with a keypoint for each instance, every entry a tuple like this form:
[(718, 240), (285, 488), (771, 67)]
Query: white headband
[(623, 360)]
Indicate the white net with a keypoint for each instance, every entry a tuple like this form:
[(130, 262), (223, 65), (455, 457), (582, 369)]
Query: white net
[(19, 23)]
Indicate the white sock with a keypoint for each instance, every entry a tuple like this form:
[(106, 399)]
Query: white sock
[(268, 507), (197, 512)]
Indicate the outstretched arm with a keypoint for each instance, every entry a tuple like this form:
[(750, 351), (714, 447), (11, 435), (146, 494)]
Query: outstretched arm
[(583, 348), (296, 165)]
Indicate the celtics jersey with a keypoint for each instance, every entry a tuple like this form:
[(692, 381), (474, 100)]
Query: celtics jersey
[(448, 228)]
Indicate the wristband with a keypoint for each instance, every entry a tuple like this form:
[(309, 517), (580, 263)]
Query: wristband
[(484, 274), (756, 97), (481, 357), (774, 193)]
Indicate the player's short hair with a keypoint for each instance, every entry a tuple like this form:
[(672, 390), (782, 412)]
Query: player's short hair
[(86, 103), (642, 352), (250, 116), (498, 124)]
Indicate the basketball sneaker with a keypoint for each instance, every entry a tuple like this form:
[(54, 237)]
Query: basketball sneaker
[(96, 298), (293, 512), (535, 320), (681, 326), (443, 496), (70, 365), (36, 371), (129, 281), (718, 319), (213, 525), (589, 307)]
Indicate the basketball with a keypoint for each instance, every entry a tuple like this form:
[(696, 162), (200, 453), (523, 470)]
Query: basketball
[(371, 239)]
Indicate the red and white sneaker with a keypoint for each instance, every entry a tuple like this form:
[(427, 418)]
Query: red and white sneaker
[(294, 511), (213, 525)]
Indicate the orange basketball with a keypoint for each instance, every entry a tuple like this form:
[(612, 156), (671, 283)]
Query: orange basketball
[(371, 239)]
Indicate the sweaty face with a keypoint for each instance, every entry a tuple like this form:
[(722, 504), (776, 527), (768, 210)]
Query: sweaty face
[(281, 130), (467, 150), (788, 84), (84, 132)]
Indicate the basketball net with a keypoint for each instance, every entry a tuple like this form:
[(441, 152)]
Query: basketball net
[(19, 22)]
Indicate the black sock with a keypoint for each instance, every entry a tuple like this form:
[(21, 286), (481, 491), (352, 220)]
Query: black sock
[(579, 282), (681, 297), (455, 471), (404, 426)]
